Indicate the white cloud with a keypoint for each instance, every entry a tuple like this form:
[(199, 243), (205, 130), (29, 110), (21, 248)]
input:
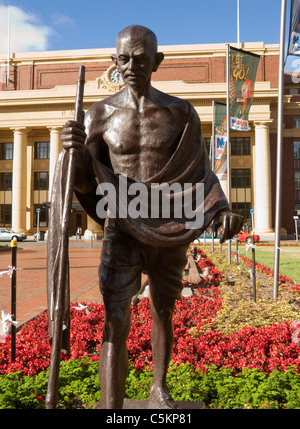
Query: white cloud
[(59, 19), (26, 34)]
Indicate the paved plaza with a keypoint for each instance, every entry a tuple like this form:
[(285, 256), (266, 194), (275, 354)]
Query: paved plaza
[(31, 279), (84, 259)]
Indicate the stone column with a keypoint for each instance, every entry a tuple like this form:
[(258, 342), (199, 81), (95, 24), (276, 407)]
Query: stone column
[(55, 148), (19, 180), (262, 179)]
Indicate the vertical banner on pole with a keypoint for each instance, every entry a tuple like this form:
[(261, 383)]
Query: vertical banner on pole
[(243, 68), (294, 36), (220, 147)]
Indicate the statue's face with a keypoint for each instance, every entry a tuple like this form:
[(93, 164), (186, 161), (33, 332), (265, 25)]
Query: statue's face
[(136, 60)]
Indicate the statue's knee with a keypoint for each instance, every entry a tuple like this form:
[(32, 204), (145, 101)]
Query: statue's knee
[(164, 314), (117, 318)]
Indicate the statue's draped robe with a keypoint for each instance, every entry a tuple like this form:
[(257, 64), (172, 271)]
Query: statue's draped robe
[(188, 164)]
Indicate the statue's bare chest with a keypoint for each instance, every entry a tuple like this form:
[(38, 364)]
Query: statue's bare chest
[(130, 132)]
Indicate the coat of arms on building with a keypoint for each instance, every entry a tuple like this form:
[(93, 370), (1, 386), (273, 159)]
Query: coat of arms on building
[(111, 80)]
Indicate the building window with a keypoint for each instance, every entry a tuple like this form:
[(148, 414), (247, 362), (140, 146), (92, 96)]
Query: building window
[(241, 178), (5, 214), (296, 121), (5, 181), (6, 151), (42, 217), (242, 209), (41, 180), (297, 172), (297, 187), (297, 150), (297, 181), (240, 146), (41, 150)]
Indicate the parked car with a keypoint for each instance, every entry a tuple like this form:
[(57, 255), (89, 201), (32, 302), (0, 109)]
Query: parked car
[(208, 237), (7, 235), (246, 237)]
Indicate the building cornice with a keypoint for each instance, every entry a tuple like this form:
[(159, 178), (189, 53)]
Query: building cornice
[(104, 55), (53, 107), (65, 94)]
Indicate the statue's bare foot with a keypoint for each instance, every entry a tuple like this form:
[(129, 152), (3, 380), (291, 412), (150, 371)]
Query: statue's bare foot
[(159, 399)]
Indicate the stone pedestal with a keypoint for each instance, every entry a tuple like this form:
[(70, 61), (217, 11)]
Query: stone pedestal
[(142, 404)]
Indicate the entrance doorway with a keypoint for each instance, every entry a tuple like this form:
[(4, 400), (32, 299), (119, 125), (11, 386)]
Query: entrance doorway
[(78, 219)]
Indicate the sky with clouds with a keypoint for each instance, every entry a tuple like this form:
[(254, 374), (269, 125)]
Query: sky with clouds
[(37, 25)]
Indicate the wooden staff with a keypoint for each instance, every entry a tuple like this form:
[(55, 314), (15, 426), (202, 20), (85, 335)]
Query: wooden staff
[(52, 393)]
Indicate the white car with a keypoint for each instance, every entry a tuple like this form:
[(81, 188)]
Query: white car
[(7, 235)]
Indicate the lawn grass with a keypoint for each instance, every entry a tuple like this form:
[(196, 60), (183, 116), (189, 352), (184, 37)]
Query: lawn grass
[(289, 261)]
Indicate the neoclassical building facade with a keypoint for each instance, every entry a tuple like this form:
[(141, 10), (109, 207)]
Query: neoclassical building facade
[(39, 98)]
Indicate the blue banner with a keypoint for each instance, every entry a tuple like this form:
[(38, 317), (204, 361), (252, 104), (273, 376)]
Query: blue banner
[(220, 147), (294, 36)]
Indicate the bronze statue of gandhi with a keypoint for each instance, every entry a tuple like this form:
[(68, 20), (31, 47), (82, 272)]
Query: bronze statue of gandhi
[(147, 136)]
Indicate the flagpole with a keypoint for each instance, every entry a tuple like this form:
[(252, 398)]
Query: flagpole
[(213, 138), (238, 23), (8, 44), (279, 149), (212, 144), (228, 137)]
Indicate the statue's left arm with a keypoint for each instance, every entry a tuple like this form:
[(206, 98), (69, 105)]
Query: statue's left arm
[(230, 223)]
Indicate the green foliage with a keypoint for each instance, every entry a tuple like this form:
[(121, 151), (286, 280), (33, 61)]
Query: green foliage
[(20, 392), (217, 388), (220, 388), (138, 383), (182, 382), (251, 388), (239, 309), (79, 384), (214, 386), (78, 387)]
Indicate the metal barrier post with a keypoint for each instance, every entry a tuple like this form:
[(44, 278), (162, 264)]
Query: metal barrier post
[(14, 247)]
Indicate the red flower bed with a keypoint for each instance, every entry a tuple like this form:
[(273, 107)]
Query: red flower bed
[(266, 348)]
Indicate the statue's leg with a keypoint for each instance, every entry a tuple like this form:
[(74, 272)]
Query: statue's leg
[(113, 359), (162, 342), (119, 280), (165, 280)]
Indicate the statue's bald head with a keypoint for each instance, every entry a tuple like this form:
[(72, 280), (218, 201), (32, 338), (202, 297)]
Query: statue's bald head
[(138, 44), (138, 32)]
